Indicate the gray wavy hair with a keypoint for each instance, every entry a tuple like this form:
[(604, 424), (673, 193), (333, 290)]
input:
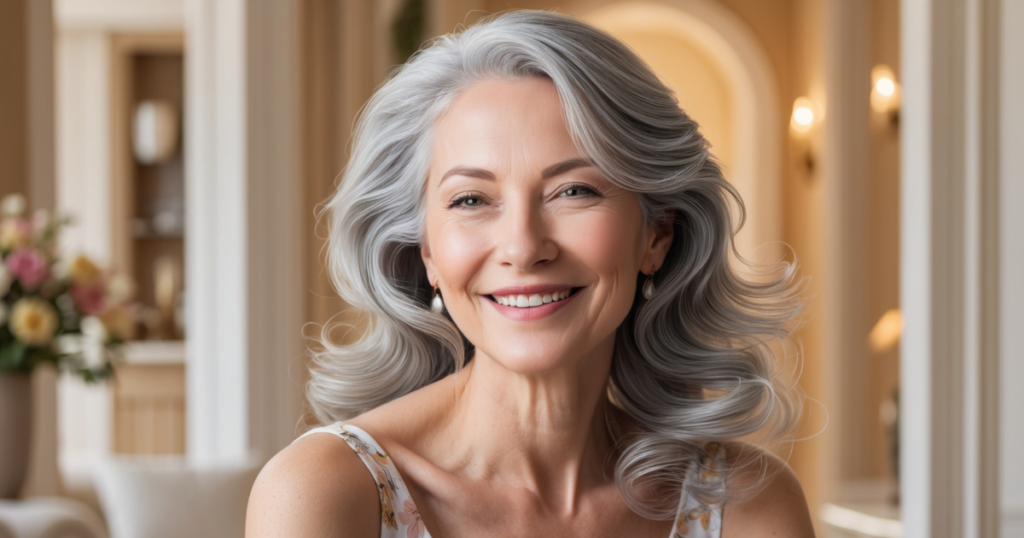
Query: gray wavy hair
[(691, 365)]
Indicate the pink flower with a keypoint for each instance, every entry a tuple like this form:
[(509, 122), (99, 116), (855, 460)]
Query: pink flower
[(411, 518), (29, 267), (90, 298)]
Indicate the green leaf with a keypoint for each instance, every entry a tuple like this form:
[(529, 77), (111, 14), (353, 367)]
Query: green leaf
[(11, 356)]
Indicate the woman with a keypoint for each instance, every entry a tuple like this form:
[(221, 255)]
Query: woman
[(558, 344)]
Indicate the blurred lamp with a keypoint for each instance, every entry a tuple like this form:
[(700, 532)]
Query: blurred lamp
[(885, 91), (155, 131), (803, 115)]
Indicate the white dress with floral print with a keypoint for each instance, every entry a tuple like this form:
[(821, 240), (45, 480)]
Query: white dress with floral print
[(400, 518)]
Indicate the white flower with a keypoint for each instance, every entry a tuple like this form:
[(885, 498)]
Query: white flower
[(13, 205), (40, 219), (93, 329), (6, 279), (60, 270)]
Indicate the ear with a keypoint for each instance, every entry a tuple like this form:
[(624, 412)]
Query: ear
[(428, 262), (659, 239)]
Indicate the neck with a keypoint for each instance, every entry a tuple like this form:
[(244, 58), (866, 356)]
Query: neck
[(544, 432)]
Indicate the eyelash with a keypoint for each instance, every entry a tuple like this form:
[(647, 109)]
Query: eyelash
[(590, 191)]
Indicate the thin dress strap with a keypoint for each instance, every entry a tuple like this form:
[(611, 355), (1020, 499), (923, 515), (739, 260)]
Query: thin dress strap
[(406, 522), (694, 519)]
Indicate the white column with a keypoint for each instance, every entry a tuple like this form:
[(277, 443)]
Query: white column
[(951, 289), (1011, 261), (243, 235)]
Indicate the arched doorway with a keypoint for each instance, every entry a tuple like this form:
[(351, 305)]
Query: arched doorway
[(723, 79)]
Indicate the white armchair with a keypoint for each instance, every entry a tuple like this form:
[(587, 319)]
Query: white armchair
[(49, 517), (169, 498)]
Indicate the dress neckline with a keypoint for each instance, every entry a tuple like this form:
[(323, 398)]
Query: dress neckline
[(401, 519)]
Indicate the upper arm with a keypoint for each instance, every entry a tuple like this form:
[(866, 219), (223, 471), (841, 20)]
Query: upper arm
[(778, 509), (316, 487)]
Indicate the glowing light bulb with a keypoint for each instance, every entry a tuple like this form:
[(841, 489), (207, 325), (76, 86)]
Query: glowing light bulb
[(885, 86), (885, 91), (804, 116)]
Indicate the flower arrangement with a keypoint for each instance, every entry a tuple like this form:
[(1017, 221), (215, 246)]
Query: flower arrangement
[(67, 312)]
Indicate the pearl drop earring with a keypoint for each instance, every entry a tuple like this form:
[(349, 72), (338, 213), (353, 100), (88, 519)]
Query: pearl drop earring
[(437, 304), (649, 285)]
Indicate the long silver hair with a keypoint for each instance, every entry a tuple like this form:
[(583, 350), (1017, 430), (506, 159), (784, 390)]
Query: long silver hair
[(694, 364)]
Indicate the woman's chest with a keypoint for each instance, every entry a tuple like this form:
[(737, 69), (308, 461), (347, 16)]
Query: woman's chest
[(489, 510)]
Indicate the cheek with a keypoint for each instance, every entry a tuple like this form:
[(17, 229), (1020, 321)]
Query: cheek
[(457, 252), (607, 242)]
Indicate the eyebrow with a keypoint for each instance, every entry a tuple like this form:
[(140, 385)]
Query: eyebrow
[(549, 172)]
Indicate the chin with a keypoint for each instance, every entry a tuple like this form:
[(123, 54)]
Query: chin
[(538, 356)]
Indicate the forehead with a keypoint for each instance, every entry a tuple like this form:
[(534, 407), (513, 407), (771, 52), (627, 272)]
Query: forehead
[(503, 122)]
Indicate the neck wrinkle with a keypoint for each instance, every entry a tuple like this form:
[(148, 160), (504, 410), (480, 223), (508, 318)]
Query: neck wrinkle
[(545, 433)]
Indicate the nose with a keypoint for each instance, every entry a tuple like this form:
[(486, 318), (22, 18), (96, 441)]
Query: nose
[(524, 241)]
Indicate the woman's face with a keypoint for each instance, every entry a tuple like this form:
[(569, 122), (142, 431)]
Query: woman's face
[(535, 253)]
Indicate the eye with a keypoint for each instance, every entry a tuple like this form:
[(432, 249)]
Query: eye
[(467, 200), (576, 191)]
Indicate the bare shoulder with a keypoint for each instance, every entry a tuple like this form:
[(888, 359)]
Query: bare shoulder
[(775, 505), (316, 487)]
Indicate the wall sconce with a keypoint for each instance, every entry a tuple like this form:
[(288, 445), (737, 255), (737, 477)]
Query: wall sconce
[(803, 115), (806, 115), (885, 94), (155, 135)]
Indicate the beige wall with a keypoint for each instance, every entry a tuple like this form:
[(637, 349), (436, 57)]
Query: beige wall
[(884, 233), (804, 226), (13, 127)]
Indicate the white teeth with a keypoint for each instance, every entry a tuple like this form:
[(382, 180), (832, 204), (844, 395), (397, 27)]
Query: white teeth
[(526, 301)]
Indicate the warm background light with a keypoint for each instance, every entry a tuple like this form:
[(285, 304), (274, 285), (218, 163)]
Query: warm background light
[(886, 332), (803, 115), (885, 86), (885, 91)]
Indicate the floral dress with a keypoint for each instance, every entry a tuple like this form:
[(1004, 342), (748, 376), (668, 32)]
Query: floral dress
[(399, 517)]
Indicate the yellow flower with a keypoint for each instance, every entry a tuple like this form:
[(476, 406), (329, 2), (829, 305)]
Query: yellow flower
[(33, 321), (82, 270)]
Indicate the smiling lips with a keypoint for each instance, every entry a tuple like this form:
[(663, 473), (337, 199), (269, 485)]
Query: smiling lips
[(526, 303), (536, 299)]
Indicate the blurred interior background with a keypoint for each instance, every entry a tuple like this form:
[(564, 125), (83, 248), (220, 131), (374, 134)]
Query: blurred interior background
[(191, 141)]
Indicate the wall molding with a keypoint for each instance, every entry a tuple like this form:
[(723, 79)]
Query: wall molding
[(846, 197), (120, 15)]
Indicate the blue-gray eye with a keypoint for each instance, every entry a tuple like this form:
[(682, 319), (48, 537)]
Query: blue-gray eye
[(577, 190)]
